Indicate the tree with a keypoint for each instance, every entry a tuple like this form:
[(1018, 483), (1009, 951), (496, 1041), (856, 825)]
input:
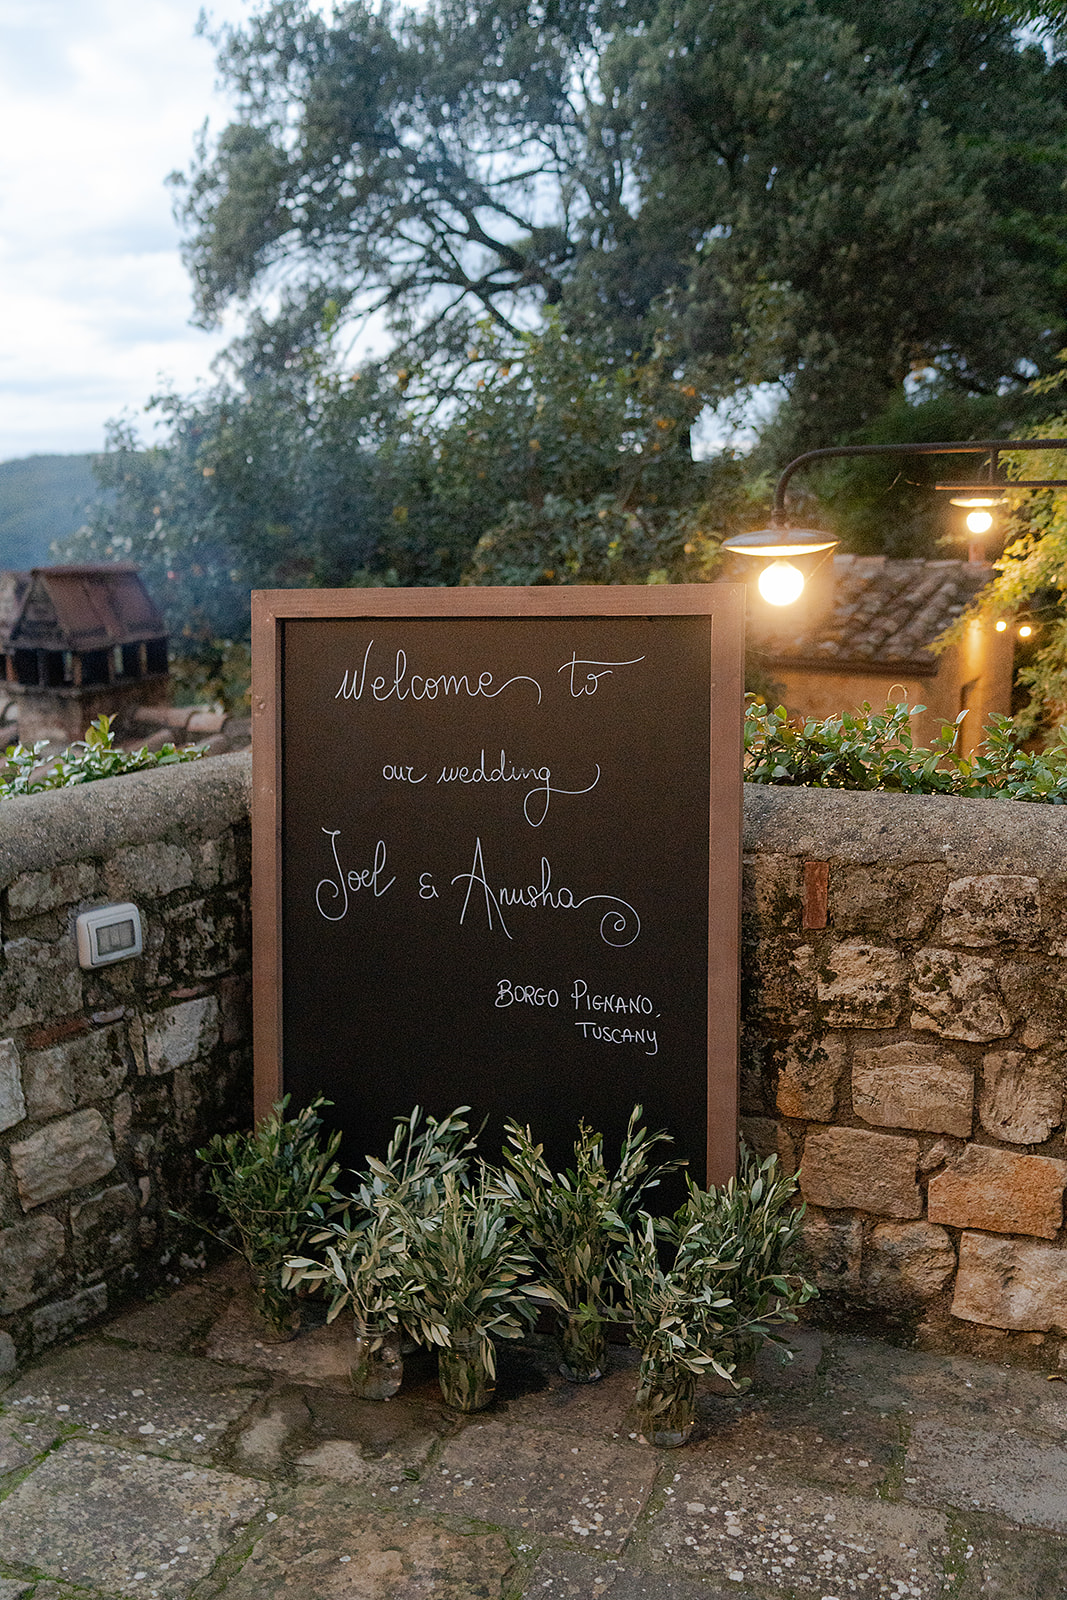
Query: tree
[(828, 195)]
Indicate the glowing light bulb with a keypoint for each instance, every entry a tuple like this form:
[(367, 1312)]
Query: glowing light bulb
[(1002, 626), (1025, 631), (781, 583), (979, 521)]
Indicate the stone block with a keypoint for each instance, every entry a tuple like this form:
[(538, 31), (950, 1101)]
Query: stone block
[(91, 1067), (1022, 1096), (62, 1156), (321, 1539), (848, 1167), (906, 1264), (990, 909), (216, 862), (180, 1034), (161, 1518), (148, 871), (761, 1532), (12, 1100), (773, 892), (549, 1483), (33, 893), (104, 1228), (809, 1076), (1000, 1192), (912, 1085), (830, 1249), (1008, 1283), (957, 996), (861, 985), (898, 902), (780, 977), (63, 1317), (41, 980), (30, 1254), (196, 944)]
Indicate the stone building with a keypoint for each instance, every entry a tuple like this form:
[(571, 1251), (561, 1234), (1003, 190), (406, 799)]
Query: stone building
[(863, 630), (78, 642)]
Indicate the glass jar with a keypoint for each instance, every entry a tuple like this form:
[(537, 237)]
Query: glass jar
[(463, 1371), (377, 1368)]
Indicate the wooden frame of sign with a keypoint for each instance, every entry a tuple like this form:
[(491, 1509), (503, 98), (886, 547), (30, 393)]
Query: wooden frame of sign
[(496, 858)]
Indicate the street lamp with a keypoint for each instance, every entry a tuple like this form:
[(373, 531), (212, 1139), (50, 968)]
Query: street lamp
[(781, 583)]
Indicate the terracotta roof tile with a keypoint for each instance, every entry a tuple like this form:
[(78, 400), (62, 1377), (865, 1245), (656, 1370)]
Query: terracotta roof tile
[(884, 610)]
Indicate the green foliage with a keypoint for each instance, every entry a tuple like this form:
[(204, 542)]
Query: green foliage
[(829, 197), (749, 1226), (367, 1268), (369, 1238), (1031, 580), (724, 1287), (571, 1218), (266, 1184), (214, 672), (866, 749), (470, 1269), (422, 1153), (87, 759)]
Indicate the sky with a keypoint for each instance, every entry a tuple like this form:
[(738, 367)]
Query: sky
[(99, 101)]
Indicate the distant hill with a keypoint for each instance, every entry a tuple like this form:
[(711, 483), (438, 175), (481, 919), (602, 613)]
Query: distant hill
[(42, 498)]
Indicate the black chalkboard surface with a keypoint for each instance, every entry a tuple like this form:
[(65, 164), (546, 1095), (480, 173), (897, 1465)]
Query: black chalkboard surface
[(497, 858)]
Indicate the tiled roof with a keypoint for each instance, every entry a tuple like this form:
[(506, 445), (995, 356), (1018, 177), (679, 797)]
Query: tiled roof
[(89, 607), (885, 613)]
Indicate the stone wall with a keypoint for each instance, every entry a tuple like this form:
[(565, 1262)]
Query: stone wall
[(905, 1001), (110, 1079)]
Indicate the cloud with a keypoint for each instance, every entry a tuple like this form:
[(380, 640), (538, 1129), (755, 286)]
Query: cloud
[(99, 101)]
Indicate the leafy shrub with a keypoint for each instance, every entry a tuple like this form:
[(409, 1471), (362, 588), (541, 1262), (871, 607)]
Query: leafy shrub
[(868, 749), (90, 758), (266, 1184)]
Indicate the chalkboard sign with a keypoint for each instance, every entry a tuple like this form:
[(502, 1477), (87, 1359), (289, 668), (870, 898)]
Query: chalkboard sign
[(496, 850)]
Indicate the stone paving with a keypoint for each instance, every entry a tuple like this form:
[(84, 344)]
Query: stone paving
[(175, 1454)]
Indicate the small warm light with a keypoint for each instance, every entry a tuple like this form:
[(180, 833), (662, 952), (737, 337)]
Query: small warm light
[(1002, 626), (971, 502), (1025, 631), (781, 583), (979, 521)]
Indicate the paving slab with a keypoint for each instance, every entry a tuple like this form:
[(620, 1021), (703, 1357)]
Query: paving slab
[(317, 1433), (568, 1575), (992, 1470), (780, 1537), (22, 1440), (176, 1405), (812, 1441), (180, 1321), (1001, 1564), (321, 1352), (331, 1548), (587, 1491), (129, 1524)]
